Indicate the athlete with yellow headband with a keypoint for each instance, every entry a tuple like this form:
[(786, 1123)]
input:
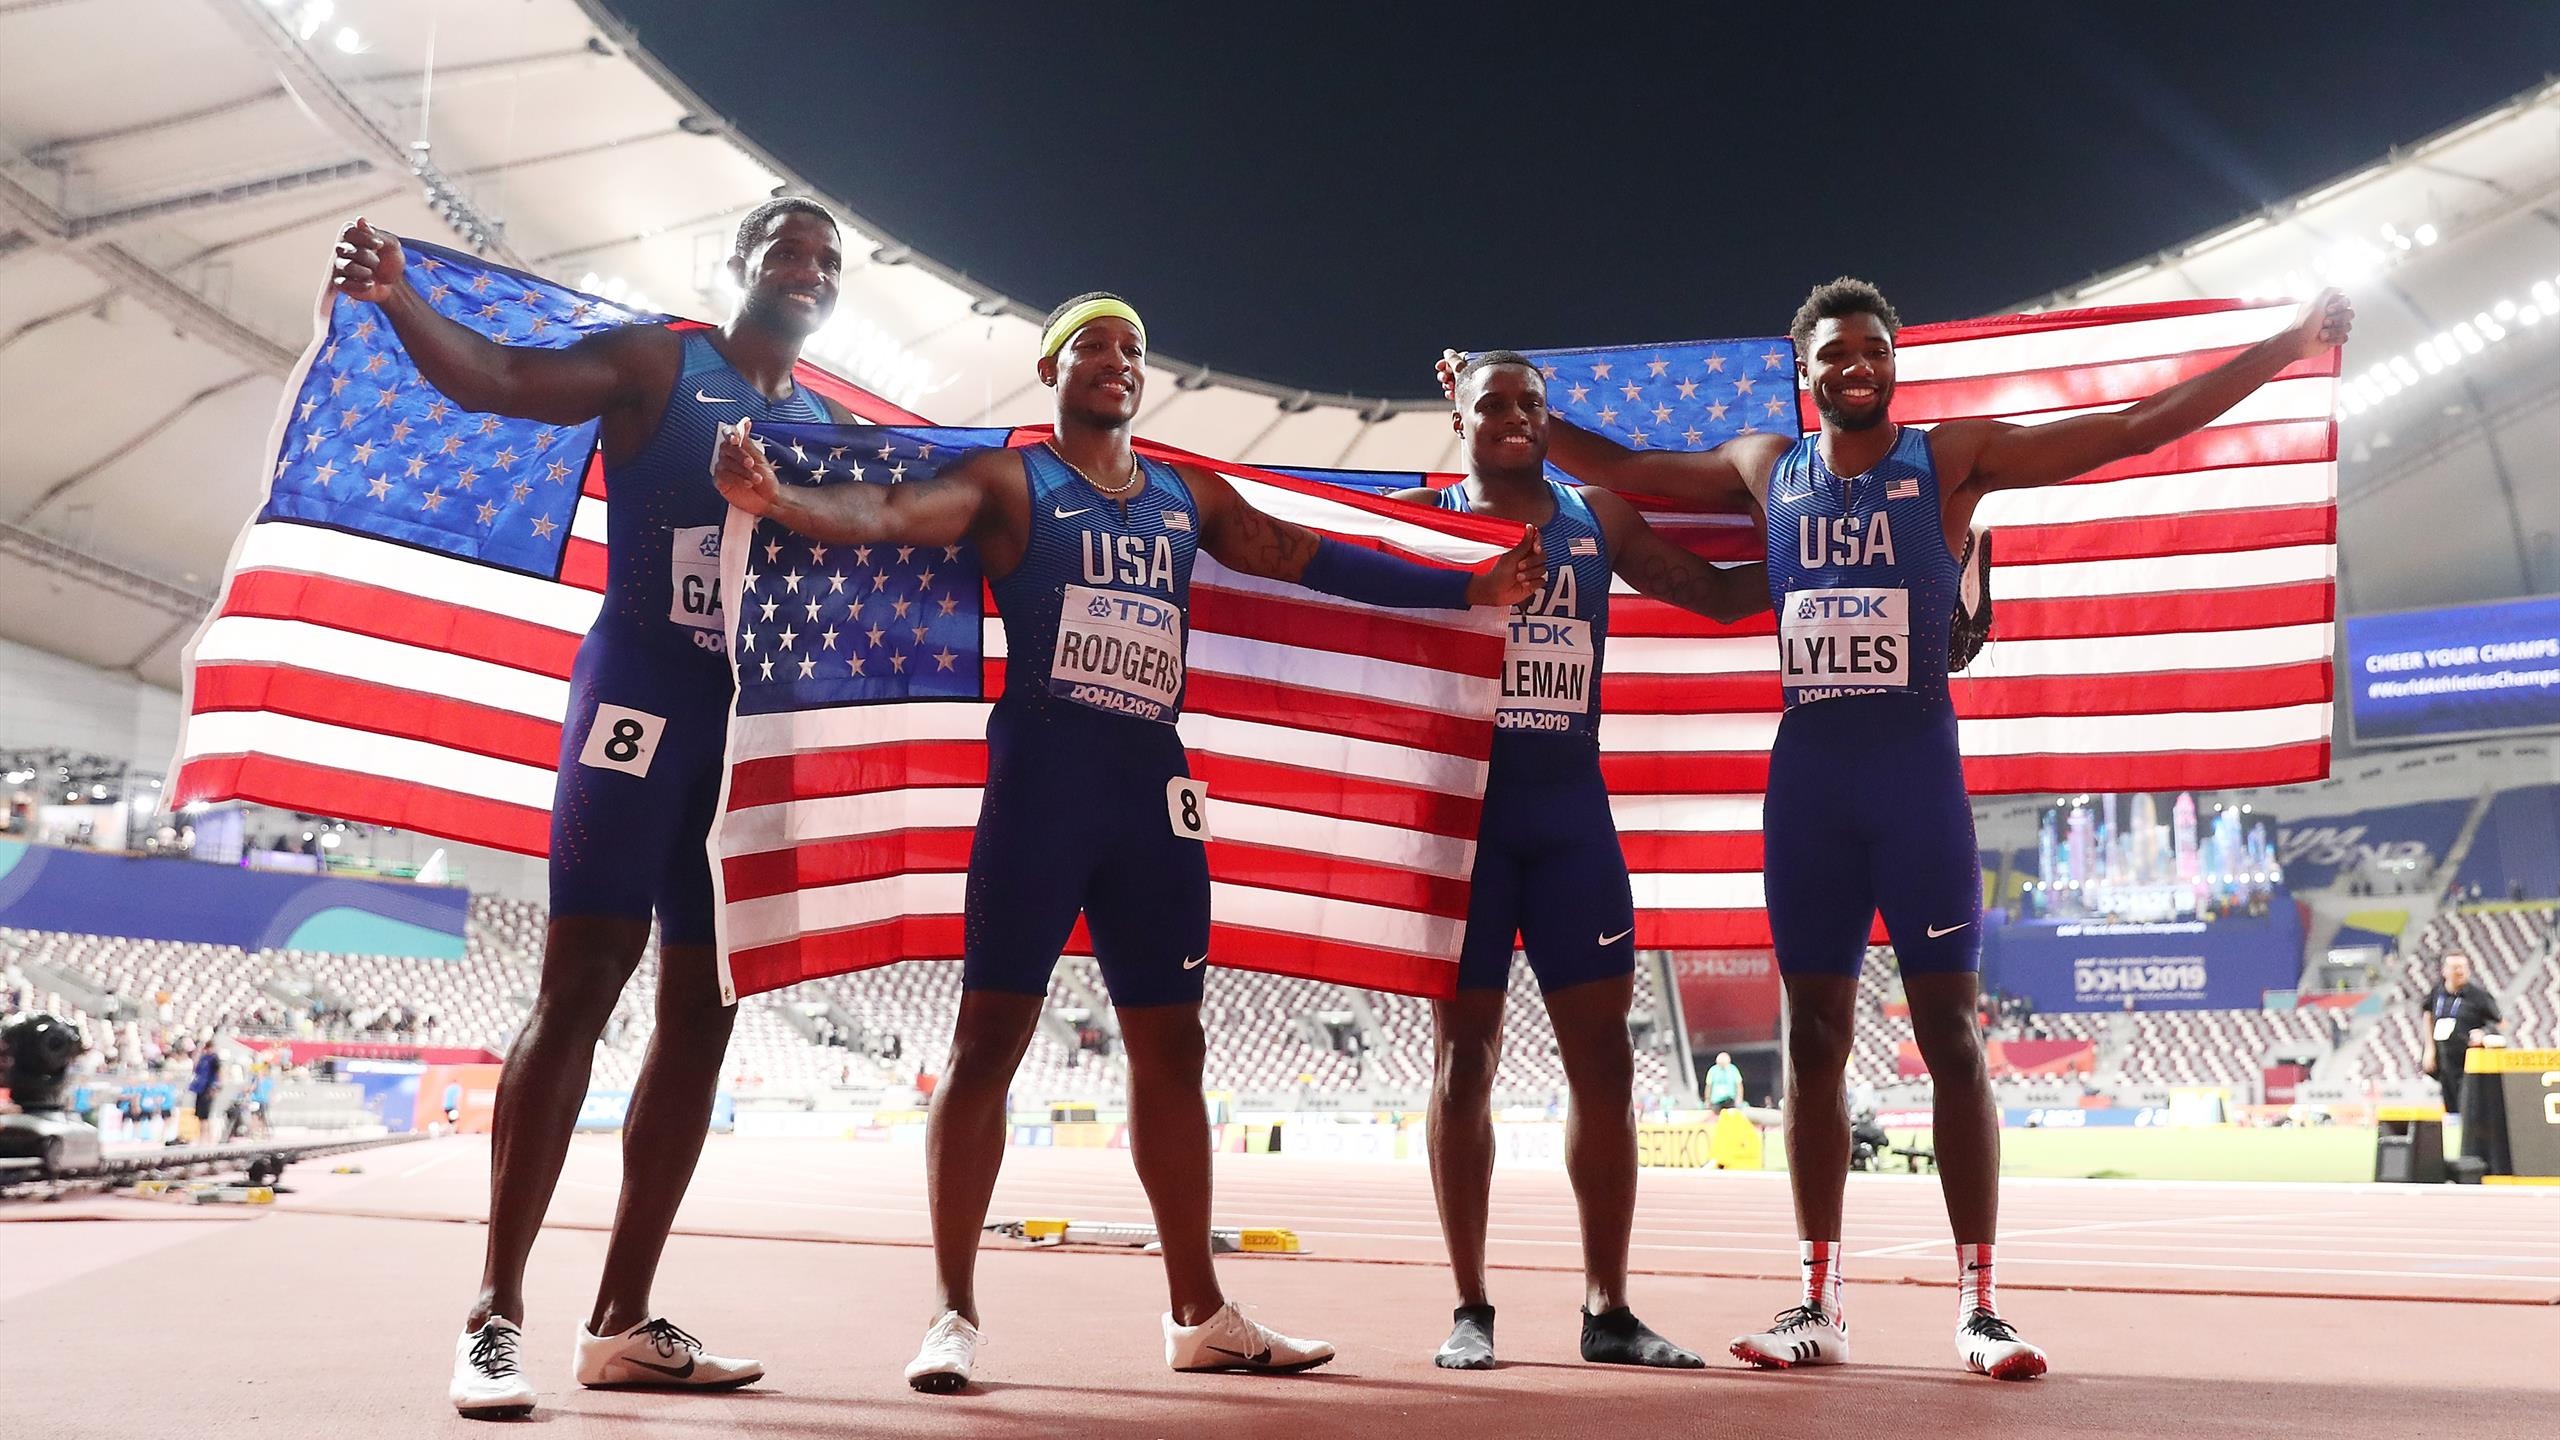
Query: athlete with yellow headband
[(1082, 757)]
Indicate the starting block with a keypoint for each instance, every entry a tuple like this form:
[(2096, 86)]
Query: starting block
[(1140, 1235)]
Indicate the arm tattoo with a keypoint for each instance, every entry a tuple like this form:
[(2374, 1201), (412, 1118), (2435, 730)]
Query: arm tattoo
[(1261, 545), (1680, 578)]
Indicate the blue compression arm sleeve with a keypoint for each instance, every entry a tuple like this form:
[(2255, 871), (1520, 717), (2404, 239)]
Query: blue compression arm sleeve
[(1357, 573)]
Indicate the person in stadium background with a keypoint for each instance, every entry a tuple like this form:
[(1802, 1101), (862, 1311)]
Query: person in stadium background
[(1549, 872), (1866, 809), (1074, 818), (2459, 1013), (639, 773), (206, 1082), (1724, 1083)]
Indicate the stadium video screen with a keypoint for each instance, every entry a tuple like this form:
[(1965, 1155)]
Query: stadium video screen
[(2464, 670)]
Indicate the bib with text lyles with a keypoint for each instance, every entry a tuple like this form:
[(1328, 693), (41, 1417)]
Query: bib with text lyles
[(1119, 652), (1845, 640), (1860, 575)]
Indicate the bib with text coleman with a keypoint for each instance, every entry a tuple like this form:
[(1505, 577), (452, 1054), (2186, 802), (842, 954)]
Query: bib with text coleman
[(1860, 575), (1552, 654), (1095, 615)]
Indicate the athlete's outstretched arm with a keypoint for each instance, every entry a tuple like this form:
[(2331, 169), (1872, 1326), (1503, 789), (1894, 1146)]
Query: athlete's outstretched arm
[(1247, 540), (1727, 479), (629, 365), (944, 510), (1656, 567), (1993, 455)]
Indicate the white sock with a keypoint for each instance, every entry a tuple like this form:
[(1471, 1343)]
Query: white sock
[(1822, 1276), (1973, 1282)]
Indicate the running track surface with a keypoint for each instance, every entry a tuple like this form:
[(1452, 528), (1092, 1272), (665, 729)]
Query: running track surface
[(2211, 1310)]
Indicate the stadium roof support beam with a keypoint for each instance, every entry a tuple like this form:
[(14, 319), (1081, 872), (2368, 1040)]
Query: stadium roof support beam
[(331, 105), (139, 438), (53, 154), (176, 601), (87, 229), (189, 312)]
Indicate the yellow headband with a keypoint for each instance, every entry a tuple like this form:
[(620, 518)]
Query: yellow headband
[(1054, 339)]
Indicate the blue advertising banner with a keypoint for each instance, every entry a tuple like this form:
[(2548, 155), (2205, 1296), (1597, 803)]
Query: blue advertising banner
[(166, 898), (2173, 965), (2464, 670)]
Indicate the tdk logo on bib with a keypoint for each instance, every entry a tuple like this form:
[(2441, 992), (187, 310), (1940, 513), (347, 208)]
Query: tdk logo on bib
[(1845, 642), (694, 563), (1846, 604), (1118, 652)]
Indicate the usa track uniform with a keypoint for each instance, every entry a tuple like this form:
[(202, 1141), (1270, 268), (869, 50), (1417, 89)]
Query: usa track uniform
[(1549, 871), (641, 753), (1081, 813), (1866, 807)]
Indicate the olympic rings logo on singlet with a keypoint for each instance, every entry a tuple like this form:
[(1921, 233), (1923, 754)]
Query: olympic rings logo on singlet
[(1845, 641), (1546, 673), (1118, 652)]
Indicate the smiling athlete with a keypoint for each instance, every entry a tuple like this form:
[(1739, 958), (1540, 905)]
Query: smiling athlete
[(1866, 809), (1082, 539), (1549, 871)]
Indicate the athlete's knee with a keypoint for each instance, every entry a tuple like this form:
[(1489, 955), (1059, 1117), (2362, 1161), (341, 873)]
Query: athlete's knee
[(1818, 1039), (1949, 1039), (1164, 1041)]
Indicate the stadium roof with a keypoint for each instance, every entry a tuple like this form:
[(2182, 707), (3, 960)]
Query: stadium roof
[(167, 200)]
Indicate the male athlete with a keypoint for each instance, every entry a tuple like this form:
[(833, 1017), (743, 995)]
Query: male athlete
[(1548, 868), (1082, 762), (1866, 808), (640, 763)]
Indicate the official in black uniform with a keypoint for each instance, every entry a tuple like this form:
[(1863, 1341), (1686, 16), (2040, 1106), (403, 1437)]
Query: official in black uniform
[(2458, 1014)]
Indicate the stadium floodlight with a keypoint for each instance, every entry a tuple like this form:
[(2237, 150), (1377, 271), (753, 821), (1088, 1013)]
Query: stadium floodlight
[(2426, 234), (348, 41), (2529, 315), (2504, 309), (2469, 338)]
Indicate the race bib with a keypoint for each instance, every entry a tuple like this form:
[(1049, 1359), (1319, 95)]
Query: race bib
[(622, 739), (1546, 673), (1849, 640), (696, 570), (1118, 652), (1186, 804), (2444, 1028)]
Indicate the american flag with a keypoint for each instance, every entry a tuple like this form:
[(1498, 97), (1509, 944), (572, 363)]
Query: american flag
[(1343, 748), (395, 631), (2161, 624)]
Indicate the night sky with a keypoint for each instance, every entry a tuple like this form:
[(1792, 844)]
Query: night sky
[(1326, 195)]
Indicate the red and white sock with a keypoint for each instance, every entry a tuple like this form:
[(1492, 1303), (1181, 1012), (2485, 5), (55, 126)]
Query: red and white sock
[(1822, 1277), (1973, 1282)]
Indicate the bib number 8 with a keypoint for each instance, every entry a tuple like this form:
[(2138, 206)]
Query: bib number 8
[(622, 739), (1186, 803)]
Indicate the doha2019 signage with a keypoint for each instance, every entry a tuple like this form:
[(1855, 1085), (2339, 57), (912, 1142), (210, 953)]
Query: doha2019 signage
[(2465, 670)]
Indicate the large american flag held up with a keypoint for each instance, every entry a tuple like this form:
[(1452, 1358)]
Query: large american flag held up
[(2161, 624), (395, 632), (1343, 748)]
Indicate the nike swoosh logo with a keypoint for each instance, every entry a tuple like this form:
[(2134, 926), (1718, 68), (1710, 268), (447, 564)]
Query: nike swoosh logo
[(1621, 935), (715, 399), (1068, 514), (1259, 1357), (1791, 499), (1194, 963), (670, 1371), (1935, 932)]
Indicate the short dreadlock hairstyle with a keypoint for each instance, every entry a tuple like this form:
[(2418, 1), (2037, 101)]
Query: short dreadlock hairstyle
[(1841, 297)]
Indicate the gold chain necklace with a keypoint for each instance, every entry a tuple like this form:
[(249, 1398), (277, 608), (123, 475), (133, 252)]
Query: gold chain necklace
[(1107, 492)]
